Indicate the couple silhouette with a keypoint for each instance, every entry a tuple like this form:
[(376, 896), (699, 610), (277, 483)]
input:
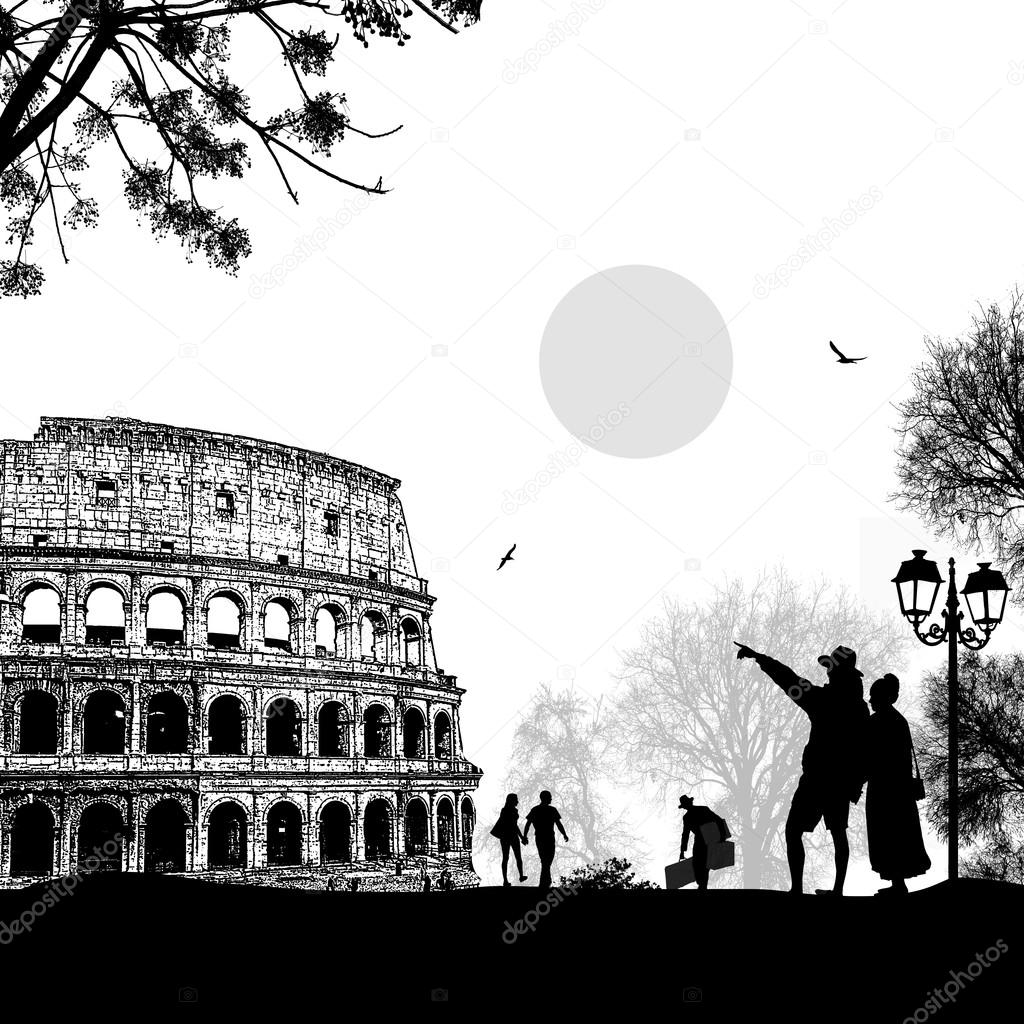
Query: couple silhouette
[(847, 748), (545, 819)]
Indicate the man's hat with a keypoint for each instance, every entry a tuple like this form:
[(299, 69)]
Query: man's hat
[(688, 805), (841, 658)]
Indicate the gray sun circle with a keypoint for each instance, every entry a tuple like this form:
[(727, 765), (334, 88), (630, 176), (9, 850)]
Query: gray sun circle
[(636, 361)]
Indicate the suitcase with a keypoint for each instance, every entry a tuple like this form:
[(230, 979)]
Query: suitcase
[(679, 874), (721, 855)]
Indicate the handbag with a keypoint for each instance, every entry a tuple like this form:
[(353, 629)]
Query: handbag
[(917, 783)]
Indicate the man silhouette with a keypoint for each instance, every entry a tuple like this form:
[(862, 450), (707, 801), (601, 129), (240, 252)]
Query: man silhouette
[(544, 818), (833, 759), (696, 816)]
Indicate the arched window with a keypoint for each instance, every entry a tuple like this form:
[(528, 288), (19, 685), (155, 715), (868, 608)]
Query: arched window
[(165, 618), (332, 730), (468, 823), (165, 837), (223, 622), (414, 742), (227, 833), (103, 723), (376, 732), (166, 724), (328, 633), (445, 826), (373, 636), (377, 830), (277, 625), (335, 833), (412, 642), (284, 728), (284, 834), (32, 831), (100, 836), (225, 722), (442, 735), (41, 616), (37, 723), (104, 616), (417, 833)]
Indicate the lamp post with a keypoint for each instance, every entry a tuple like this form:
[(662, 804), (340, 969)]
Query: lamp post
[(917, 584)]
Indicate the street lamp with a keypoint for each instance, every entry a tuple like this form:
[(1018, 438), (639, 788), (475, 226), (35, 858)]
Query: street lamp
[(917, 584)]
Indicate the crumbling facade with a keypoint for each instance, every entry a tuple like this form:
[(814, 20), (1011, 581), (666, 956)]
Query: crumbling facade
[(215, 653)]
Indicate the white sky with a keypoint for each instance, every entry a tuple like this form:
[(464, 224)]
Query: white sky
[(508, 191)]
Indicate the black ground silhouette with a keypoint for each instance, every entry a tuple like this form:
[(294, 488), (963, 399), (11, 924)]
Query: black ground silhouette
[(137, 942)]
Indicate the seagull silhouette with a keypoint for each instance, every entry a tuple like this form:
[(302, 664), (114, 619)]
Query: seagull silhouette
[(842, 358), (507, 557)]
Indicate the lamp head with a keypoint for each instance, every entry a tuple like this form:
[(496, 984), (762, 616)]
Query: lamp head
[(917, 584)]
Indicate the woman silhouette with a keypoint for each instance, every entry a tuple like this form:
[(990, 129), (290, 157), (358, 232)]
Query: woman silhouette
[(507, 831), (895, 845)]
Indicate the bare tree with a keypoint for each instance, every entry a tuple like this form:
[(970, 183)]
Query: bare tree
[(171, 110), (991, 738), (561, 745), (689, 717), (961, 461)]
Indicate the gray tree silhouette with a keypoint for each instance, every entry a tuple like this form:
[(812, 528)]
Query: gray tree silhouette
[(689, 717)]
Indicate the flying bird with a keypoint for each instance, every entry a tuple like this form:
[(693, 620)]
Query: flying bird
[(507, 557), (842, 358)]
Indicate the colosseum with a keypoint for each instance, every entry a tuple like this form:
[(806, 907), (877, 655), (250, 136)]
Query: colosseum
[(216, 656)]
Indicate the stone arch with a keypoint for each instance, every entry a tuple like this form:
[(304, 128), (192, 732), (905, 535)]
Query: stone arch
[(329, 630), (443, 735), (283, 724), (42, 605), (284, 833), (412, 641), (373, 635), (227, 831), (333, 729), (226, 723), (104, 721), (445, 812), (279, 623), (376, 731), (100, 830), (335, 832), (36, 722), (166, 836), (378, 829), (414, 733), (33, 833), (167, 723), (468, 812), (225, 612), (105, 615), (165, 608), (417, 826)]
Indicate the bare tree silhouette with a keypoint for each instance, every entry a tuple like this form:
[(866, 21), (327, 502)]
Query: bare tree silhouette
[(170, 107), (561, 745), (991, 735), (688, 716), (961, 461)]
